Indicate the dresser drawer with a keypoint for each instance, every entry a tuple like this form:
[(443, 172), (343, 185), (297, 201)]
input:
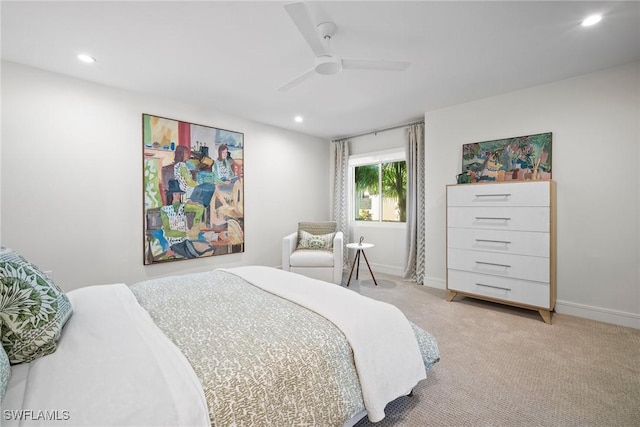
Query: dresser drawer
[(505, 265), (500, 218), (518, 291), (508, 242), (530, 193)]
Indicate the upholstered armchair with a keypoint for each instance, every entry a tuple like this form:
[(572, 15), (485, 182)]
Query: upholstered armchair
[(315, 250)]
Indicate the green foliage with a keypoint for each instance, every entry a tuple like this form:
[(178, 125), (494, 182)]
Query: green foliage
[(364, 215), (367, 178), (394, 183)]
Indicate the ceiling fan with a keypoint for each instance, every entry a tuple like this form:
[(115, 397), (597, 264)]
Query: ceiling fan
[(318, 37)]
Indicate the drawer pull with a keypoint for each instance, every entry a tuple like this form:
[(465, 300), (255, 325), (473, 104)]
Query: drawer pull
[(506, 242), (494, 195), (494, 287), (493, 218), (492, 263)]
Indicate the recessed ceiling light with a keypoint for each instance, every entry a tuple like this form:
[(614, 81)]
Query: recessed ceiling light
[(86, 58), (591, 20), (298, 119)]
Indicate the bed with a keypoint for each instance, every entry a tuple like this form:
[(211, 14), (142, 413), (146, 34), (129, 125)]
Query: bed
[(244, 346)]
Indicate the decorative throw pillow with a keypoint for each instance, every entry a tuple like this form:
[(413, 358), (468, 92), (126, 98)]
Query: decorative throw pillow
[(315, 241), (33, 309), (5, 372)]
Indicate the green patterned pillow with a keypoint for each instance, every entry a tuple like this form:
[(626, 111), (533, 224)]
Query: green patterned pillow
[(33, 309), (5, 372), (315, 241)]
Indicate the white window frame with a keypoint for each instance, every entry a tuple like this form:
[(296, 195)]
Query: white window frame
[(384, 156)]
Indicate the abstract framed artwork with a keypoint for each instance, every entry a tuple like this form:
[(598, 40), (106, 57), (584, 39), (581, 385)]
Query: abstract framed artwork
[(521, 158), (193, 185)]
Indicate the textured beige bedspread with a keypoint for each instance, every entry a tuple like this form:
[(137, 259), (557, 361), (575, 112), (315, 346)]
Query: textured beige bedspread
[(262, 360), (385, 349)]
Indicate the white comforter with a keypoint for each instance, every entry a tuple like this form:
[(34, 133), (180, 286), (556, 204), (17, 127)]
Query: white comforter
[(385, 350), (113, 366)]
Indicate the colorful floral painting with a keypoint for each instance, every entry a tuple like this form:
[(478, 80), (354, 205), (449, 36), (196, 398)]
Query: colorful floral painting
[(193, 187), (521, 158)]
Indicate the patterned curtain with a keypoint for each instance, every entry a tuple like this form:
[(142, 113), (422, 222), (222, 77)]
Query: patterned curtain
[(415, 262), (340, 190)]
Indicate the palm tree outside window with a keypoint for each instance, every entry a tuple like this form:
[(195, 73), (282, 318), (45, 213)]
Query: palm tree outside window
[(380, 191)]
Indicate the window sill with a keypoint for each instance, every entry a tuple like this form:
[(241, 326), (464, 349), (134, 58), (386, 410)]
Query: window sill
[(376, 224)]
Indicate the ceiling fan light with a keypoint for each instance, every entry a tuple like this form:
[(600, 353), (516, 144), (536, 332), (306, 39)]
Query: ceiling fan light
[(328, 65)]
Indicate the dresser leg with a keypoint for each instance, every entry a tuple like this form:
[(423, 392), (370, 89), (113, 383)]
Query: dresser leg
[(546, 316), (451, 295)]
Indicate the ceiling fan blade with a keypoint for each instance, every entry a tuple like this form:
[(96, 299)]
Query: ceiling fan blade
[(300, 16), (296, 81), (374, 64)]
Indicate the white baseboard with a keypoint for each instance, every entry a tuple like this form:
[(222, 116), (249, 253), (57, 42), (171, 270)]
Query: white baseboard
[(598, 313), (435, 282), (386, 269)]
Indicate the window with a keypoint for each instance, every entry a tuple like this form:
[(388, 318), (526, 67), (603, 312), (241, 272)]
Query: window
[(379, 187)]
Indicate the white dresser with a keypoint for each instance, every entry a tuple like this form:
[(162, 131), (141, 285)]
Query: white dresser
[(501, 243)]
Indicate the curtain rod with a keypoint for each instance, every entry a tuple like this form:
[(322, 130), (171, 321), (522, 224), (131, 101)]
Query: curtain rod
[(379, 130)]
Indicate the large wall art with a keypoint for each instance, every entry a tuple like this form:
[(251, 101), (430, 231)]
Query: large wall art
[(193, 190), (518, 159)]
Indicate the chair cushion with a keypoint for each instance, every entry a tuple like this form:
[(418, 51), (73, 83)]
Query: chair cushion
[(318, 227), (311, 258), (315, 241)]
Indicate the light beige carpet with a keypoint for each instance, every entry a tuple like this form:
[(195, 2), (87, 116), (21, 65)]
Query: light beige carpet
[(503, 366)]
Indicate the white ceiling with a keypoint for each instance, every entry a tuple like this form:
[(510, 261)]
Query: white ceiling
[(232, 56)]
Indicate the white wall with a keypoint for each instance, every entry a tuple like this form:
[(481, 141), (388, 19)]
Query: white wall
[(595, 120), (387, 256), (71, 174)]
